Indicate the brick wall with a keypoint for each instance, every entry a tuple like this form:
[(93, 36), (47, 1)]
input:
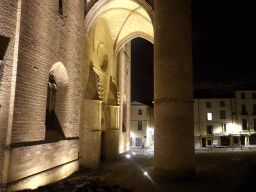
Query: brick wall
[(47, 38), (8, 15)]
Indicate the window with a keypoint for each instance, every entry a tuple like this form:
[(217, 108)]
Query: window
[(254, 109), (224, 129), (208, 105), (140, 111), (209, 142), (244, 110), (254, 124), (209, 129), (242, 95), (60, 7), (235, 140), (244, 124), (140, 125), (222, 103), (209, 116), (254, 95), (222, 114)]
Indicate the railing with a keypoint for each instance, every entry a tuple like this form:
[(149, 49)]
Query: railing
[(244, 113)]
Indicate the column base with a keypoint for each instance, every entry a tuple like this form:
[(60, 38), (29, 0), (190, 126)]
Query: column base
[(171, 176)]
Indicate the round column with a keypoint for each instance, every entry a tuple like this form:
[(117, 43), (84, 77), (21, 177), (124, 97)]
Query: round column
[(173, 90)]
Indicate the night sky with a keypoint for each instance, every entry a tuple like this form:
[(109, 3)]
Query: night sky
[(223, 49)]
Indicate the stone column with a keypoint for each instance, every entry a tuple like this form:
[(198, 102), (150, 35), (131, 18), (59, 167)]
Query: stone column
[(174, 121)]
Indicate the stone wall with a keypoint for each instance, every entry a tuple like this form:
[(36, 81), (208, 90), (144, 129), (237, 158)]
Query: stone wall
[(29, 160), (124, 62), (89, 146)]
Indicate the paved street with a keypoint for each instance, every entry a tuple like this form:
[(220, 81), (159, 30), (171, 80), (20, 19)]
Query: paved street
[(215, 171)]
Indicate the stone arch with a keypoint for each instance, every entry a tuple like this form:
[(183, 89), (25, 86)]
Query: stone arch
[(56, 97), (133, 36), (128, 20), (95, 11)]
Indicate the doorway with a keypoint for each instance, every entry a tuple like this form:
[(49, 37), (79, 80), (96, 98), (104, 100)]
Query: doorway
[(242, 140), (203, 142), (137, 141), (225, 141)]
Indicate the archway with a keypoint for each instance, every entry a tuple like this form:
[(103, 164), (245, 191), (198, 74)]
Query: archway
[(115, 22), (110, 26)]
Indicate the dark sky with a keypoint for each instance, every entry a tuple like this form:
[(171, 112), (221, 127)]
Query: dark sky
[(223, 49)]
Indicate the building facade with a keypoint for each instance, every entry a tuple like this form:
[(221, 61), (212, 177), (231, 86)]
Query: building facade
[(142, 127), (223, 122)]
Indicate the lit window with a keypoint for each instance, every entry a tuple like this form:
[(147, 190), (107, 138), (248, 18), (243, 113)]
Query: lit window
[(224, 129), (140, 111), (209, 116)]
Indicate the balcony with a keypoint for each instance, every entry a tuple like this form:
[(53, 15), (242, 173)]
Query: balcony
[(244, 113)]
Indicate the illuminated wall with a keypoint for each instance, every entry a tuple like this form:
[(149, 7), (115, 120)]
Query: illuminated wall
[(8, 23), (146, 134), (109, 27), (42, 37), (234, 115)]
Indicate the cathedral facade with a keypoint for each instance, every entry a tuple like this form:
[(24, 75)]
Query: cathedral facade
[(65, 70)]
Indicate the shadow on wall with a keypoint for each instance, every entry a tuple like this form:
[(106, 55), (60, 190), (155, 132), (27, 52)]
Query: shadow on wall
[(53, 128), (4, 41)]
